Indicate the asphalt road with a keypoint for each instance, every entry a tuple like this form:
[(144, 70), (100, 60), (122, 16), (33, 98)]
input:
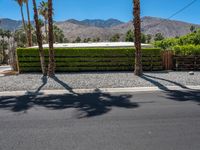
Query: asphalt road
[(125, 121)]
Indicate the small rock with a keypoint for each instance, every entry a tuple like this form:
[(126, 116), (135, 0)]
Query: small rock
[(191, 73)]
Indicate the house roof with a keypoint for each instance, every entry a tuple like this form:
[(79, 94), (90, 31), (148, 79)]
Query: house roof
[(100, 44)]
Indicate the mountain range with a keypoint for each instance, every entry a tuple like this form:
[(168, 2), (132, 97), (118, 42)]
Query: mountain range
[(105, 29)]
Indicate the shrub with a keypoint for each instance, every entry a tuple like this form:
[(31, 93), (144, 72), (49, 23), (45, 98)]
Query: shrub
[(90, 59), (187, 50)]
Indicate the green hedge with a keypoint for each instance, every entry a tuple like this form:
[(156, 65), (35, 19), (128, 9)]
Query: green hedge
[(187, 50), (90, 59)]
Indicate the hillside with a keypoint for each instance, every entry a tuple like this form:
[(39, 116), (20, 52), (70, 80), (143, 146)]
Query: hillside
[(9, 24), (97, 22), (105, 29)]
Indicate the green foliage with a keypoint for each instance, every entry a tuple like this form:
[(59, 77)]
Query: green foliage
[(187, 49), (185, 45), (58, 35), (20, 37), (96, 39), (192, 28), (143, 38), (3, 45), (115, 38), (78, 40), (158, 37), (149, 37), (87, 40), (166, 44), (41, 23), (43, 9), (129, 36), (90, 59)]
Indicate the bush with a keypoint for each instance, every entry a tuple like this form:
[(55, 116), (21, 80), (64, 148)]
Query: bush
[(166, 43), (90, 59), (187, 50)]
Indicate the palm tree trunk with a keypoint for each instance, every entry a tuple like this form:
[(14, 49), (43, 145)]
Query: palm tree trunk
[(23, 22), (29, 26), (137, 31), (39, 40), (46, 32), (51, 69), (4, 51)]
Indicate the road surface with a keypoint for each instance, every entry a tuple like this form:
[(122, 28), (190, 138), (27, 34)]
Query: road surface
[(167, 120)]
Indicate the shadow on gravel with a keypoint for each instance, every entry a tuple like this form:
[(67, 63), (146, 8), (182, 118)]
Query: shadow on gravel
[(153, 79), (87, 105), (184, 95), (63, 84)]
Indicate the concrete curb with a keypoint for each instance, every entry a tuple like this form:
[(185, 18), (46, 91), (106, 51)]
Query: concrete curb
[(102, 90)]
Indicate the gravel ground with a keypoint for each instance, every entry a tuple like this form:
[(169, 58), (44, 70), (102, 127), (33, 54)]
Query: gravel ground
[(97, 80)]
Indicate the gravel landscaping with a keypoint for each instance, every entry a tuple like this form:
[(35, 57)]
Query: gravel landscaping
[(97, 80)]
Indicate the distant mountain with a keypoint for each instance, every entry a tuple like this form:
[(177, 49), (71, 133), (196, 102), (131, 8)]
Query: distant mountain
[(97, 22), (73, 30), (150, 25), (9, 24), (153, 25), (105, 29)]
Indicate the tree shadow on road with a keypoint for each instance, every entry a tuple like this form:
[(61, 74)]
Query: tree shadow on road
[(178, 95), (85, 104)]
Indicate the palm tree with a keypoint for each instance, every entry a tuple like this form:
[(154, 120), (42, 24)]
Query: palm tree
[(5, 44), (20, 3), (51, 68), (2, 35), (8, 34), (29, 24), (137, 31), (43, 11), (39, 39)]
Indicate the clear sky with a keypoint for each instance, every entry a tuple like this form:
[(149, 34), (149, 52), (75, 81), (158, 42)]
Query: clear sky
[(104, 9)]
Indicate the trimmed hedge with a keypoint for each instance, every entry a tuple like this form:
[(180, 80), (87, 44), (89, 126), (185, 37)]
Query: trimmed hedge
[(90, 59)]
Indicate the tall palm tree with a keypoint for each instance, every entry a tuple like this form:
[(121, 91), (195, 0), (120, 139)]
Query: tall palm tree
[(39, 39), (29, 23), (43, 11), (137, 30), (3, 35), (51, 67), (20, 3)]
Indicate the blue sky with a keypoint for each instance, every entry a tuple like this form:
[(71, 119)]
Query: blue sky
[(104, 9)]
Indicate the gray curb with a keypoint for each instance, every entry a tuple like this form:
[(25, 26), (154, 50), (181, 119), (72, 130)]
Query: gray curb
[(103, 90)]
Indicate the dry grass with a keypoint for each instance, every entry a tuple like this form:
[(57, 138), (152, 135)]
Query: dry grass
[(9, 73)]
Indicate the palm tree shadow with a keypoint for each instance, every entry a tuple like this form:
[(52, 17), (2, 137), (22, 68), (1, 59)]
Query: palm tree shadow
[(162, 79), (63, 84), (184, 95), (178, 95), (154, 82), (85, 104), (44, 82), (23, 103)]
